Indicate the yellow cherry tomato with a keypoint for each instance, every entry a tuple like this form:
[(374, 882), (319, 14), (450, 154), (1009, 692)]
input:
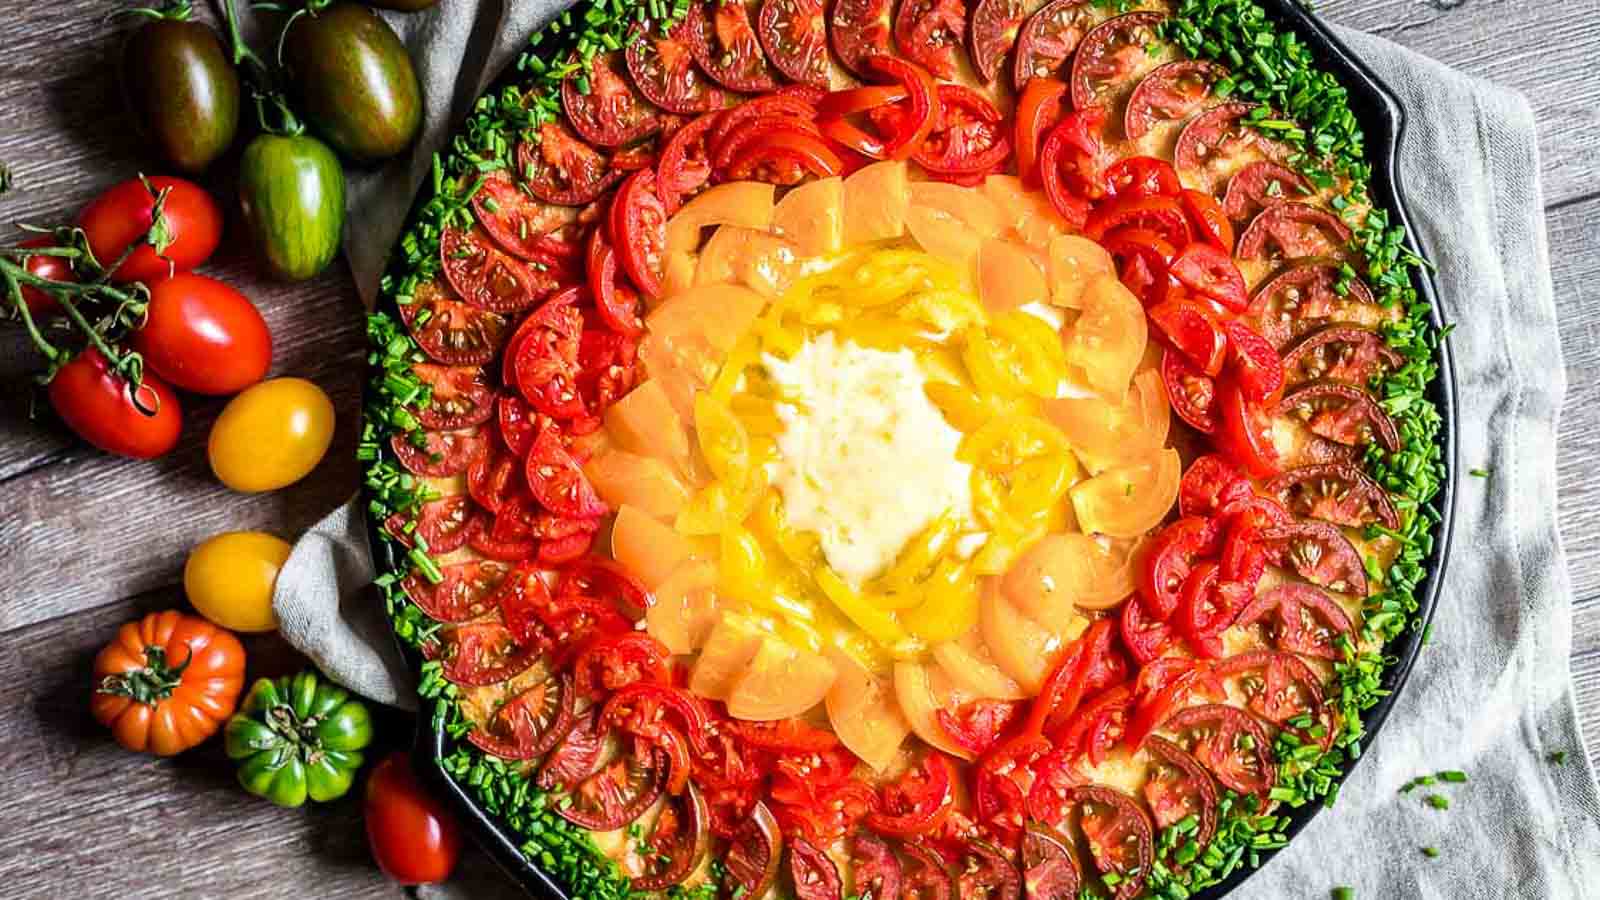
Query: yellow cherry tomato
[(271, 436), (229, 579)]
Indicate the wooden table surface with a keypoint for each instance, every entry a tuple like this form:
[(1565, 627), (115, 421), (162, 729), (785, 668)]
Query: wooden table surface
[(88, 541)]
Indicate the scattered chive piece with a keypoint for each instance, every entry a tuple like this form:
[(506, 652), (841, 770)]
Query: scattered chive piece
[(1559, 757), (1344, 893), (1438, 801), (1430, 852), (1478, 473), (1455, 776)]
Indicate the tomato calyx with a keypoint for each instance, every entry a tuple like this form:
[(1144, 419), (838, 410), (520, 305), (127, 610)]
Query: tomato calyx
[(151, 684)]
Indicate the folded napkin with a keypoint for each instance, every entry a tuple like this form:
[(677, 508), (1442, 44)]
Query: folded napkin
[(1491, 695)]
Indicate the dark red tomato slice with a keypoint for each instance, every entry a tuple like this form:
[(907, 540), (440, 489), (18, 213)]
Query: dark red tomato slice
[(575, 757), (1336, 492), (1255, 366), (1193, 330), (524, 602), (1319, 553), (494, 478), (1260, 185), (560, 168), (1113, 52), (617, 794), (875, 868), (984, 873), (1208, 146), (443, 525), (976, 725), (1048, 39), (1039, 108), (1291, 230), (458, 397), (544, 358), (992, 34), (725, 45), (1119, 836), (1230, 743), (784, 155), (1246, 433), (531, 723), (662, 66), (860, 29), (930, 33), (1192, 393), (1312, 293), (1169, 560), (449, 330), (488, 277), (814, 874), (970, 138), (1049, 867), (1304, 620), (1281, 688), (926, 874), (1207, 220), (618, 305), (919, 801), (463, 594), (1170, 93), (438, 454), (524, 226), (603, 106), (607, 579), (611, 662), (1141, 176), (480, 654), (678, 841), (1177, 787), (517, 422), (1342, 353), (794, 33), (1210, 272), (1070, 164), (557, 482), (752, 856), (639, 231), (1208, 484), (1160, 214)]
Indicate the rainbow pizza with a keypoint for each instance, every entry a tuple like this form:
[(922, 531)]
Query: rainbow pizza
[(903, 450)]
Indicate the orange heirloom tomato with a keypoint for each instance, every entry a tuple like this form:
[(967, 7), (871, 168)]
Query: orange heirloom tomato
[(167, 682)]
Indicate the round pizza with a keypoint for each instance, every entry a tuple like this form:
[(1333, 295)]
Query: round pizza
[(903, 450)]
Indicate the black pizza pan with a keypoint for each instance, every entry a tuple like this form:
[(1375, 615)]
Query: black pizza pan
[(1383, 121)]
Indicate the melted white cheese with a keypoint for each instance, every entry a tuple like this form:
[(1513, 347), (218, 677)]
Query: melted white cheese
[(866, 459)]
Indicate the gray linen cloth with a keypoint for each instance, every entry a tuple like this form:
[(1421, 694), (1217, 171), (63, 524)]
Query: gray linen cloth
[(1490, 695)]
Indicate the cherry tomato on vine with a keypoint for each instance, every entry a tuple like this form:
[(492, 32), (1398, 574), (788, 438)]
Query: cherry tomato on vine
[(42, 304), (413, 837), (100, 406), (122, 216), (203, 336)]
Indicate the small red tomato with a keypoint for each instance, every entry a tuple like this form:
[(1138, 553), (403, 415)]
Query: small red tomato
[(42, 305), (413, 837), (203, 336), (124, 213), (102, 408)]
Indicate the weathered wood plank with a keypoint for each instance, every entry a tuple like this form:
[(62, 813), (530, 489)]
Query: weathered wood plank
[(1586, 689), (1545, 50), (1575, 266)]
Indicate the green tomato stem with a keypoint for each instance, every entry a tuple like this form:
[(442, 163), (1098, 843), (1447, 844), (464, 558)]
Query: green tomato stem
[(14, 291)]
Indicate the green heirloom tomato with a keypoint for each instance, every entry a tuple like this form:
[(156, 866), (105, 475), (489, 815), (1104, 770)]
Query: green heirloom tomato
[(297, 737), (354, 81), (292, 191), (181, 90)]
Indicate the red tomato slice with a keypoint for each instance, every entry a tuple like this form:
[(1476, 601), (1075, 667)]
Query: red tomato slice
[(1142, 176), (1143, 257), (544, 358), (458, 397), (531, 723), (443, 524), (560, 168), (725, 45), (525, 226), (684, 168), (914, 118), (1193, 394), (1038, 110), (1169, 560), (617, 304), (465, 592), (1192, 330), (1069, 164), (1204, 269), (930, 33), (1046, 42), (639, 231), (1210, 483), (785, 155), (557, 482), (606, 579), (1146, 638), (970, 138), (480, 654), (1209, 222), (1246, 432), (438, 454), (976, 725), (609, 663), (602, 104), (993, 32), (919, 801), (487, 277), (795, 35), (1256, 367), (1161, 214)]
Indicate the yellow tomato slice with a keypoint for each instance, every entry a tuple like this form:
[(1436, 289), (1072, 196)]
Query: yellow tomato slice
[(943, 311), (1074, 261), (1126, 501), (968, 410), (1107, 340), (1110, 431), (746, 203), (1039, 484), (914, 689), (879, 625), (686, 607), (724, 443), (720, 505), (864, 714), (728, 650), (646, 547), (812, 216), (974, 674), (1044, 359), (1067, 572), (875, 202), (1005, 443), (623, 478), (1008, 276), (781, 681), (949, 607)]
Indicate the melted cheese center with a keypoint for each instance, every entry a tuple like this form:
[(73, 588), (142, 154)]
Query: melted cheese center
[(866, 460)]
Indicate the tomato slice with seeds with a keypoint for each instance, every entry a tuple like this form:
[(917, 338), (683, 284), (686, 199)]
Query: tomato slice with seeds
[(1246, 432), (1039, 108), (684, 168), (463, 594), (576, 756), (875, 869), (1292, 230), (1193, 330), (678, 841), (1209, 606), (1095, 729), (1318, 552), (976, 725), (1146, 638), (1169, 560), (1341, 353), (1046, 42), (1213, 140), (443, 524), (1211, 272), (926, 876), (860, 29), (783, 154), (914, 118), (1112, 52), (725, 45), (1281, 688), (814, 874), (1256, 367), (617, 794), (544, 358), (985, 873), (441, 454), (517, 423), (531, 723), (619, 307), (1309, 294), (449, 330), (1159, 214), (992, 33), (458, 397), (1192, 393), (662, 66), (639, 231), (1070, 164), (794, 33), (1230, 743), (1336, 492), (602, 104), (557, 482), (524, 226), (1207, 219), (607, 579), (480, 654), (752, 856), (1261, 184), (1172, 92), (970, 138), (919, 801), (930, 33), (1209, 484), (1177, 787), (1119, 836), (560, 168), (484, 542), (1244, 557), (1049, 867), (486, 276), (1141, 176), (1305, 620)]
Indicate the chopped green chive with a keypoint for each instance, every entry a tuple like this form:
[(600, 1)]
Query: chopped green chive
[(1438, 801)]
